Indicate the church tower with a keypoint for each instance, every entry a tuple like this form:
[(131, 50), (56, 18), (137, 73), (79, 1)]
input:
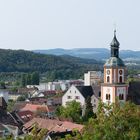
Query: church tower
[(114, 85)]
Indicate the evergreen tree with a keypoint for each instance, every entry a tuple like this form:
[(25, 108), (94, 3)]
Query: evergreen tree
[(35, 78), (89, 110), (2, 85), (23, 80), (28, 79)]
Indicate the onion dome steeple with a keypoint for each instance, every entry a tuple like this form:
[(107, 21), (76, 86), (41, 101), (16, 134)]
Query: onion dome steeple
[(115, 46), (114, 60)]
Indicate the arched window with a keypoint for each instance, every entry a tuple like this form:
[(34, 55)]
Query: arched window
[(121, 96), (107, 96), (120, 79), (99, 94), (108, 79)]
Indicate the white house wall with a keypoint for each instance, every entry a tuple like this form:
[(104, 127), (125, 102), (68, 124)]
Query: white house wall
[(107, 90), (73, 92), (5, 95)]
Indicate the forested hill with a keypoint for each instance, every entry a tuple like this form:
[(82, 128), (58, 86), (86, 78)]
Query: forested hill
[(27, 61), (92, 53)]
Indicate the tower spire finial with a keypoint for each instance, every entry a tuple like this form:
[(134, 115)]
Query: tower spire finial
[(114, 29), (114, 32)]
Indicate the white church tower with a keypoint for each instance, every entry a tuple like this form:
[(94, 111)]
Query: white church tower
[(114, 76)]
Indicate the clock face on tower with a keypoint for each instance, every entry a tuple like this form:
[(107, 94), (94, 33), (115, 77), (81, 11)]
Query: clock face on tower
[(108, 72), (120, 72)]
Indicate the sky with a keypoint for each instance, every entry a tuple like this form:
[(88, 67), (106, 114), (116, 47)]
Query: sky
[(49, 24)]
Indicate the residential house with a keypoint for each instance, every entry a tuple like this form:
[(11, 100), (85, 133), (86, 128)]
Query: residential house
[(35, 108), (4, 93), (19, 105), (24, 116), (64, 85), (3, 106), (7, 130), (28, 91), (41, 86), (44, 93), (38, 100), (76, 82), (54, 127), (13, 96), (77, 93), (37, 93), (8, 124)]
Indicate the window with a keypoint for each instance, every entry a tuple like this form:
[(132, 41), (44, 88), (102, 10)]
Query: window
[(108, 79), (99, 94), (120, 79), (121, 97), (77, 97), (107, 96), (69, 97)]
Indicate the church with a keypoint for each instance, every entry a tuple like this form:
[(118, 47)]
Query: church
[(114, 85)]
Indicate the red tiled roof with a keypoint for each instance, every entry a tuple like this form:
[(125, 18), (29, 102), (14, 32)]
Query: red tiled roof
[(42, 123), (22, 113), (25, 90), (48, 92), (68, 126), (19, 105), (25, 115), (35, 107), (53, 125)]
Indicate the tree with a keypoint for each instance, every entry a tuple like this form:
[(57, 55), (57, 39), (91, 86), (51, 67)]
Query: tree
[(2, 85), (74, 136), (35, 134), (35, 78), (28, 79), (21, 98), (72, 111), (23, 80), (10, 105), (89, 110), (113, 122)]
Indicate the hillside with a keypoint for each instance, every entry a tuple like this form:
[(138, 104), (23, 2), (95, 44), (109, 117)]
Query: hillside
[(58, 67), (92, 53), (88, 53)]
